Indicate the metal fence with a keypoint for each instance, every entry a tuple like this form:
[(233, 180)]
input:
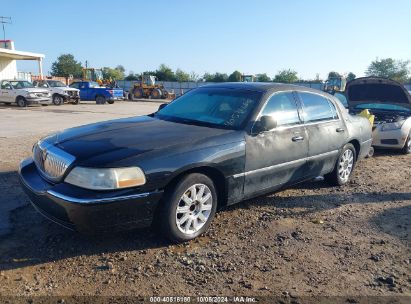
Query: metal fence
[(182, 87)]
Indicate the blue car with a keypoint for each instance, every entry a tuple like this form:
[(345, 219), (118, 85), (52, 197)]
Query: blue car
[(90, 90)]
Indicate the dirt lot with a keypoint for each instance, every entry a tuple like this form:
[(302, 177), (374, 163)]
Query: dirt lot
[(308, 240)]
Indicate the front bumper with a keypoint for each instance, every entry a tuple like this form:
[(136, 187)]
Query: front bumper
[(394, 139), (36, 100), (70, 98), (84, 210)]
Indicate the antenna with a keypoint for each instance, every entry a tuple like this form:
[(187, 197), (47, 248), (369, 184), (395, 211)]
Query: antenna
[(3, 21)]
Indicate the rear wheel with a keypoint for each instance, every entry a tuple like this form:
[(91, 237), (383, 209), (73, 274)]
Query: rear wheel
[(188, 208), (110, 101), (58, 100), (407, 146), (343, 168), (21, 102), (100, 99)]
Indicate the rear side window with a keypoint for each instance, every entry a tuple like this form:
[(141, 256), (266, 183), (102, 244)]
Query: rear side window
[(317, 108), (283, 108)]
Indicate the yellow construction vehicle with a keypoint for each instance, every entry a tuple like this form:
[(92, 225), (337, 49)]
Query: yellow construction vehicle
[(335, 84), (147, 88), (248, 78), (92, 74)]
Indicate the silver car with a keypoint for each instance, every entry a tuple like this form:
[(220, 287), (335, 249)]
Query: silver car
[(390, 102)]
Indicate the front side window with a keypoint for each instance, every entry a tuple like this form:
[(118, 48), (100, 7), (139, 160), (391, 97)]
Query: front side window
[(214, 107), (317, 108), (56, 84), (283, 108), (6, 85)]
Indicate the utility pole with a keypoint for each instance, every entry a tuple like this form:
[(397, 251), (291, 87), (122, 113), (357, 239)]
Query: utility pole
[(3, 21)]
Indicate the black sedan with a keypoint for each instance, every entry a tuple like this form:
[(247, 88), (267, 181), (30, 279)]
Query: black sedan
[(212, 147)]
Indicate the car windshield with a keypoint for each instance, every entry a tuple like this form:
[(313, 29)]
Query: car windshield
[(56, 84), (21, 84), (214, 107), (382, 107)]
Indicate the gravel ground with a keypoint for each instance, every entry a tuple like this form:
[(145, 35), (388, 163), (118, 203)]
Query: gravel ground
[(309, 240)]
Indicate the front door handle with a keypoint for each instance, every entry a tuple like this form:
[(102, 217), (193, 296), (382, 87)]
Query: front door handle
[(339, 130), (297, 138)]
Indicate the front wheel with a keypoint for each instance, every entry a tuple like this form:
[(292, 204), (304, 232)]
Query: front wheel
[(407, 146), (343, 168), (188, 208), (21, 102), (58, 100)]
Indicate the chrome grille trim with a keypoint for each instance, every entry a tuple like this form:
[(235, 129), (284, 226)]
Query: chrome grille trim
[(51, 161)]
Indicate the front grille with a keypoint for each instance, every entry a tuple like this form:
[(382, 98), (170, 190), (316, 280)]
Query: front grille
[(42, 94), (72, 93), (51, 161)]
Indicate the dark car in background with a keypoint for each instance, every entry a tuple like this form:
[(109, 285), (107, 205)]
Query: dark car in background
[(212, 147)]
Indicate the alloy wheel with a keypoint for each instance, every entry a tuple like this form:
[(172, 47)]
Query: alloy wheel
[(346, 165), (194, 208)]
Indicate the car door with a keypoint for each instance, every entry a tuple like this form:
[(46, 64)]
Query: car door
[(278, 156), (327, 132), (6, 92), (78, 85)]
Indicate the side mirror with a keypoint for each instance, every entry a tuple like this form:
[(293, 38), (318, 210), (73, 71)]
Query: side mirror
[(267, 123), (163, 105)]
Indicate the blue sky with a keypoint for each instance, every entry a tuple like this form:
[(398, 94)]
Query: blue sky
[(210, 35)]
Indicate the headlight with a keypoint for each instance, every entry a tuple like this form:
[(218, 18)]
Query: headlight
[(106, 179), (392, 126), (32, 95)]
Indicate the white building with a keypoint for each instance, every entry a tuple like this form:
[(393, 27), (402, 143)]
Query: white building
[(8, 57)]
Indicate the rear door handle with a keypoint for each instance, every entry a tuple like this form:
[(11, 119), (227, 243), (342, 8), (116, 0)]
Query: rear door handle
[(297, 138), (339, 130)]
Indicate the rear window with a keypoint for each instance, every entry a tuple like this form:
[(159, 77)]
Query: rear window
[(317, 108)]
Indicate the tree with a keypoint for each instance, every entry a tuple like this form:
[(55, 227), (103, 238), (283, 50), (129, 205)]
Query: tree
[(164, 73), (116, 73), (182, 76), (351, 76), (132, 76), (194, 76), (66, 65), (217, 77), (334, 74), (235, 76), (263, 78), (286, 76), (389, 68)]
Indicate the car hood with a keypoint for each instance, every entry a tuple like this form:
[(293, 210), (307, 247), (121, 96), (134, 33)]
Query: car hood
[(376, 90), (102, 144)]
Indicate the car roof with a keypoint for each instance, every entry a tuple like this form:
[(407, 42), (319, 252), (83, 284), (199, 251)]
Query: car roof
[(261, 86)]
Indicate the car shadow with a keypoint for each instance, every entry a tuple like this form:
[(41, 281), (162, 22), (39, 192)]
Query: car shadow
[(35, 240)]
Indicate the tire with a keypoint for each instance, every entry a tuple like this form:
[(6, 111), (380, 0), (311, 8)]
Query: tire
[(194, 211), (407, 146), (110, 101), (343, 168), (21, 102), (156, 94), (138, 94), (58, 100), (76, 101), (100, 99), (370, 152)]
